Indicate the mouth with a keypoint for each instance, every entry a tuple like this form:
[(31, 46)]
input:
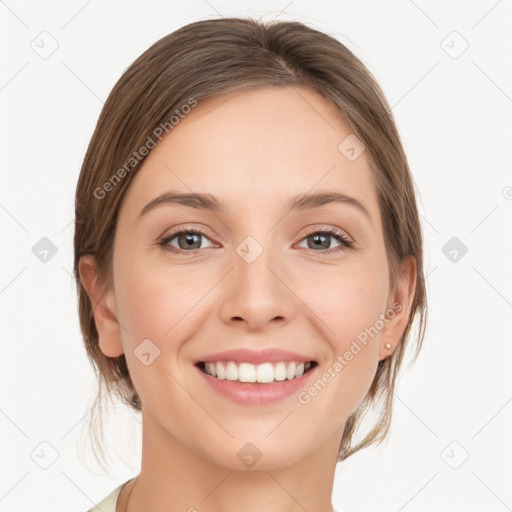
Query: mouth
[(264, 373)]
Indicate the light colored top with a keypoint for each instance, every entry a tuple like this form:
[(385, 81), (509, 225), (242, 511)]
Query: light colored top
[(109, 503)]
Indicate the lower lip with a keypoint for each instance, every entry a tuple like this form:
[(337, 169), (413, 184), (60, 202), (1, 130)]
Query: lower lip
[(257, 394)]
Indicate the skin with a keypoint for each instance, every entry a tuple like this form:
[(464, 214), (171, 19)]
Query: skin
[(248, 149)]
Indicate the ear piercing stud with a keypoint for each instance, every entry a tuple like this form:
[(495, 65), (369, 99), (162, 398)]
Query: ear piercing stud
[(388, 346)]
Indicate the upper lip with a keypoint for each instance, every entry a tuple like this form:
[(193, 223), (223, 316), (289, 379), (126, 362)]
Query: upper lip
[(242, 355)]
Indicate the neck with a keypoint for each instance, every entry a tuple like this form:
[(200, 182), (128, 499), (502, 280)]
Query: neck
[(176, 477)]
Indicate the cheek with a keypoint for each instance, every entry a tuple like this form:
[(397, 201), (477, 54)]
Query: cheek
[(349, 301), (154, 303), (160, 302), (349, 304), (146, 293)]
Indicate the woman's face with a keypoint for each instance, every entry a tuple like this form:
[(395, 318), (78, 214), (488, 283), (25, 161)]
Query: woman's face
[(255, 275)]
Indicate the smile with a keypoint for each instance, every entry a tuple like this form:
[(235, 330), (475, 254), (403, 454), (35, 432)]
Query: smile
[(264, 373)]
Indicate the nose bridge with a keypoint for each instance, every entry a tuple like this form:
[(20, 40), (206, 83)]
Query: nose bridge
[(257, 263), (257, 292)]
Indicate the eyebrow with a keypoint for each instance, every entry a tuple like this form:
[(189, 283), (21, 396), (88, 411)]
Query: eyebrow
[(299, 202)]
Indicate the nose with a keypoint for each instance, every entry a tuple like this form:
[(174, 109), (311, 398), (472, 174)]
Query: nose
[(256, 290)]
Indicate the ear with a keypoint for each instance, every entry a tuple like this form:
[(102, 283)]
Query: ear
[(103, 304), (399, 307)]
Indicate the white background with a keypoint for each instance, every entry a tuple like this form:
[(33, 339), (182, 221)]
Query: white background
[(454, 116)]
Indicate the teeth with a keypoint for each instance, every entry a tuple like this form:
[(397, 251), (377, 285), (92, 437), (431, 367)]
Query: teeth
[(290, 372), (263, 373), (231, 371), (247, 373), (212, 369), (280, 371), (220, 370)]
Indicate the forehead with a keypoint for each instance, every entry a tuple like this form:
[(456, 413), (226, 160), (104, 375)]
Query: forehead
[(265, 144)]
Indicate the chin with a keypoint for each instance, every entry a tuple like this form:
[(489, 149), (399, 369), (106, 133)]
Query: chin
[(256, 456)]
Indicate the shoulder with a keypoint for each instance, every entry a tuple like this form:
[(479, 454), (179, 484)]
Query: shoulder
[(108, 504)]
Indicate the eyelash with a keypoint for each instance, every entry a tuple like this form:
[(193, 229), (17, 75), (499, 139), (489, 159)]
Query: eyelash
[(346, 243)]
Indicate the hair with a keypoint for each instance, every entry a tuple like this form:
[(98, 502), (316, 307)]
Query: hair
[(213, 57)]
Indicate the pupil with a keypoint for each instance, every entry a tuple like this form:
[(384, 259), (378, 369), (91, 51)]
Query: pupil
[(190, 237), (317, 243)]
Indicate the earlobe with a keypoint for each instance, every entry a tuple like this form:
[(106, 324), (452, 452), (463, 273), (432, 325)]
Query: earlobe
[(399, 308), (103, 305)]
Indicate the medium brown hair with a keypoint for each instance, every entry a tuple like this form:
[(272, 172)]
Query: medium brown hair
[(218, 56)]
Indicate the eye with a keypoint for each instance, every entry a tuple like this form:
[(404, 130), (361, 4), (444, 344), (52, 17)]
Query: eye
[(187, 238), (321, 240)]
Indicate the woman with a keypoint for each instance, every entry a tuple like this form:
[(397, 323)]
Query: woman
[(248, 256)]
